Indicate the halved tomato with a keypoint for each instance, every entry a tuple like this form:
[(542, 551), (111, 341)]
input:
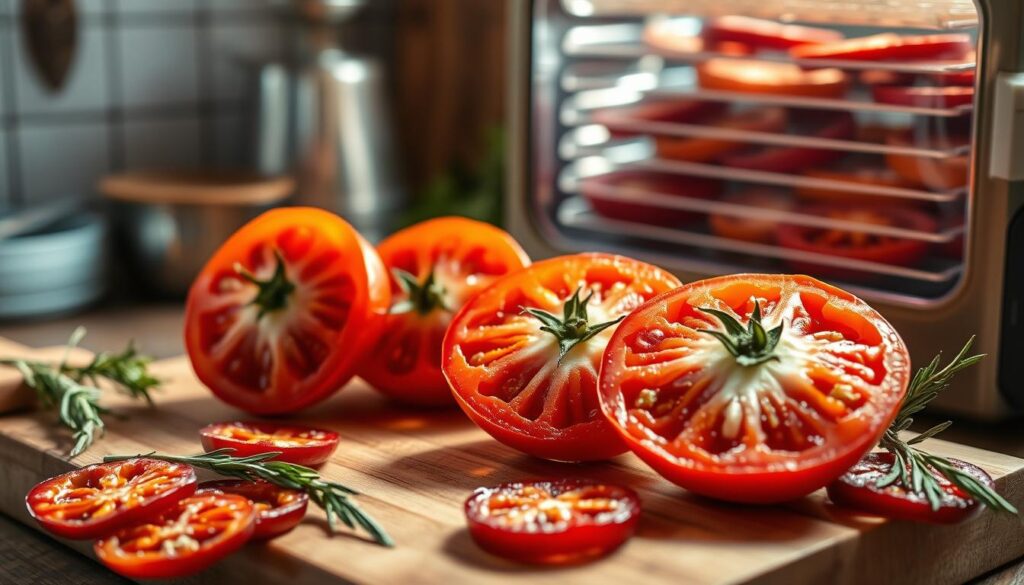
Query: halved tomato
[(940, 174), (278, 510), (750, 229), (924, 96), (621, 122), (636, 185), (522, 356), (96, 500), (299, 445), (890, 47), (766, 34), (694, 149), (557, 522), (768, 77), (436, 266), (283, 313), (857, 174), (753, 387), (792, 159)]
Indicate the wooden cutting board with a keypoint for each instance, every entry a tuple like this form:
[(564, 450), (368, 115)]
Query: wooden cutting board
[(416, 468)]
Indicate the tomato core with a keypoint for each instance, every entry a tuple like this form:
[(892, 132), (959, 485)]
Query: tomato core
[(272, 293)]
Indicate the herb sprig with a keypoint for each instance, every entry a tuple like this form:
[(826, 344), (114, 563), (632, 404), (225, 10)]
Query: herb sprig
[(334, 498), (915, 469)]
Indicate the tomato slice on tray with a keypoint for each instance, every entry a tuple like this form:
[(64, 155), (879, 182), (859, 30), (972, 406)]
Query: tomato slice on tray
[(753, 388), (558, 522), (96, 500), (858, 174), (636, 185), (278, 510), (194, 534), (751, 229), (436, 267), (791, 159), (890, 47), (765, 34), (300, 445), (699, 149), (858, 489), (675, 38), (621, 121), (939, 174), (522, 356), (767, 77), (924, 96), (279, 317)]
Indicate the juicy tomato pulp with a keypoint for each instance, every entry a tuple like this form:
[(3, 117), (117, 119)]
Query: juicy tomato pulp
[(890, 47), (858, 489), (444, 262), (552, 522), (695, 149), (197, 532), (767, 34), (299, 445), (751, 228), (278, 510), (791, 411), (620, 195), (508, 374), (766, 77), (792, 159), (278, 317), (96, 500)]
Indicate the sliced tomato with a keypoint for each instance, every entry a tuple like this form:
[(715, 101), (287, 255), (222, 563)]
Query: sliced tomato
[(924, 96), (765, 34), (941, 174), (793, 159), (436, 266), (189, 537), (621, 122), (558, 522), (800, 397), (299, 445), (96, 500), (283, 312), (768, 77), (278, 510), (636, 185), (765, 119), (858, 489), (522, 356), (874, 77), (890, 47), (858, 174), (751, 229), (675, 38)]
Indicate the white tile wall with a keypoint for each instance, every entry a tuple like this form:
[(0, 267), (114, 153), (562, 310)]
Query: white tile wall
[(85, 87), (158, 65), (172, 143), (62, 160)]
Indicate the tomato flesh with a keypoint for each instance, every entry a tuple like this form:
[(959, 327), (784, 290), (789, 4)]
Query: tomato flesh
[(857, 489), (96, 500), (278, 510), (762, 433), (552, 522), (890, 47), (621, 121), (505, 371), (766, 34), (792, 159), (197, 532), (644, 183), (767, 77), (923, 96), (697, 149), (750, 229), (300, 445)]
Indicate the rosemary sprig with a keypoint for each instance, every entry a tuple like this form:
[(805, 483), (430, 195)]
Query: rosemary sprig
[(915, 469), (332, 497)]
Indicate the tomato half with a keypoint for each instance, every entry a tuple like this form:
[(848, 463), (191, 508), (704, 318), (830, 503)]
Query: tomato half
[(924, 96), (299, 445), (194, 534), (767, 77), (765, 119), (278, 510), (766, 34), (96, 500), (858, 174), (552, 522), (857, 489), (643, 183), (792, 159), (282, 313), (442, 263), (751, 229), (775, 416), (890, 47), (522, 356), (621, 122), (940, 174)]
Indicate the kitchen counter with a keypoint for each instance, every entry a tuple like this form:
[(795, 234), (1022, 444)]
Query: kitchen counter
[(28, 556)]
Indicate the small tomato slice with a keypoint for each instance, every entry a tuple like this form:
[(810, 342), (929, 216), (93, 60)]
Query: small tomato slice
[(300, 445), (924, 96), (858, 489), (790, 411), (748, 229), (890, 47), (643, 183), (195, 533), (765, 34), (278, 510), (765, 119), (552, 522), (767, 77), (622, 121), (436, 266), (792, 159), (858, 174), (281, 315), (533, 389), (96, 500), (940, 174)]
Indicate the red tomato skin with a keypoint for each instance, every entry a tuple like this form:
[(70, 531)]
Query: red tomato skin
[(924, 96), (766, 33), (269, 524), (793, 159), (619, 120), (890, 47), (673, 185), (309, 455)]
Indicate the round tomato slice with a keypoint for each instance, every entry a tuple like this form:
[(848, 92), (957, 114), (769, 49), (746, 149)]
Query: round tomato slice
[(792, 159), (767, 77), (890, 47), (278, 510), (636, 185), (522, 356), (753, 388), (924, 96), (858, 174), (281, 315), (858, 489), (675, 38), (558, 522), (96, 500), (765, 34), (746, 228), (766, 119), (300, 445), (194, 534), (436, 267), (940, 174)]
